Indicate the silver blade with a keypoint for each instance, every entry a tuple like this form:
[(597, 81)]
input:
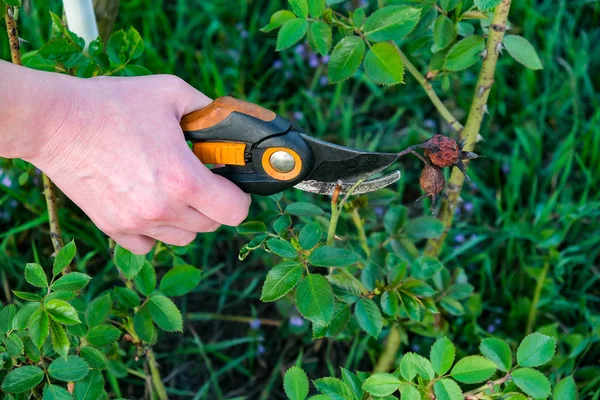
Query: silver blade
[(327, 188)]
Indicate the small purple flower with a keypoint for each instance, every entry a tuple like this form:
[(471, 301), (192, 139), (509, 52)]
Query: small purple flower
[(429, 123), (325, 59), (379, 211), (491, 328), (261, 349), (4, 216), (255, 324), (6, 181), (13, 203), (313, 61), (323, 81), (277, 64), (287, 74), (298, 116), (498, 321), (363, 3), (300, 49), (244, 34), (505, 168), (239, 26), (468, 206), (415, 347), (460, 238), (296, 321)]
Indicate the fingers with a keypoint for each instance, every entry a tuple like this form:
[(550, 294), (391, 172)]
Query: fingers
[(137, 244), (172, 235), (192, 220), (189, 98)]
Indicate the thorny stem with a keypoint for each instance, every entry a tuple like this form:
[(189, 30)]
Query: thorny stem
[(536, 298), (15, 52), (360, 227), (336, 209), (478, 106), (470, 132), (155, 373)]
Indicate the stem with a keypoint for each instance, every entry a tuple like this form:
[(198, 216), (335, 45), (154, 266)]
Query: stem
[(471, 130), (536, 298), (426, 85), (388, 355), (13, 35), (336, 208), (233, 318), (486, 386), (360, 227), (156, 380)]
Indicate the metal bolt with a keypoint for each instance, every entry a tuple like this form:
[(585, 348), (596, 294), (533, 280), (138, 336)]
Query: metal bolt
[(282, 161)]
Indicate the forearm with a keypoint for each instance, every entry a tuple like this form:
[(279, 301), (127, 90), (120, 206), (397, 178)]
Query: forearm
[(32, 106)]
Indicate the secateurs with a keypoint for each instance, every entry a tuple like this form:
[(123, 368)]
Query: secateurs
[(263, 153)]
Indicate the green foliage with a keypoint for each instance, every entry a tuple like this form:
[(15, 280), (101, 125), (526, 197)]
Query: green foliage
[(384, 65), (295, 384), (522, 51)]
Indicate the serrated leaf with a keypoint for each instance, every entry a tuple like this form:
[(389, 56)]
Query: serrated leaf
[(352, 381), (473, 369), (310, 235), (281, 279), (39, 327), (413, 364), (334, 388), (35, 275), (299, 7), (126, 297), (449, 5), (69, 369), (411, 305), (71, 282), (381, 384), (295, 383), (535, 350), (532, 382), (358, 17), (59, 49), (22, 379), (277, 19), (417, 288), (102, 335), (369, 317), (14, 345), (442, 355), (130, 264), (180, 280), (64, 257), (390, 302), (408, 392), (282, 248), (327, 256), (91, 387), (321, 35), (165, 314), (314, 299), (384, 65), (452, 306), (566, 390), (394, 219), (98, 310), (391, 23), (21, 318), (346, 58), (55, 392), (444, 32), (291, 32), (13, 3), (447, 389), (316, 7), (251, 227), (303, 209), (143, 325), (464, 53), (60, 342), (94, 357), (145, 281), (425, 267), (487, 5), (27, 295), (521, 50), (341, 316), (498, 352), (282, 223), (62, 312), (425, 227)]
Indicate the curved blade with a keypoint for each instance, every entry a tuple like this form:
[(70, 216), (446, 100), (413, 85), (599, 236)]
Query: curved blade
[(328, 188)]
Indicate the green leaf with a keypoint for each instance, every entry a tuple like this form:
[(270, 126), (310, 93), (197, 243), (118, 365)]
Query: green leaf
[(310, 235), (145, 281), (98, 310), (143, 325), (316, 7), (449, 5), (464, 53), (411, 305), (180, 280), (444, 32), (498, 352), (27, 296), (165, 313), (408, 392), (394, 219), (452, 306), (391, 23), (381, 384), (302, 209), (59, 49), (413, 364), (384, 65), (425, 267), (61, 295), (127, 297), (136, 70), (417, 288), (341, 316), (327, 256), (390, 302), (314, 299), (522, 51), (321, 36), (442, 355), (21, 318), (14, 345), (282, 223), (566, 390), (281, 279), (62, 312), (532, 382), (22, 379), (535, 350), (277, 19), (130, 264), (64, 257), (35, 275), (94, 357), (72, 282), (447, 389), (295, 383), (299, 7), (352, 381), (69, 369), (424, 228), (252, 227), (39, 327), (60, 342), (103, 335), (91, 387), (291, 32), (358, 17), (369, 317), (473, 369), (460, 291), (487, 5), (282, 248), (13, 3), (123, 47), (55, 392), (334, 388), (346, 58)]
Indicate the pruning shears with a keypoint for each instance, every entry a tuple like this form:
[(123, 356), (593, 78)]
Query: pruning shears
[(263, 153)]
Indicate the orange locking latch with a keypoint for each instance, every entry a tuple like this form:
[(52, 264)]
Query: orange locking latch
[(227, 153)]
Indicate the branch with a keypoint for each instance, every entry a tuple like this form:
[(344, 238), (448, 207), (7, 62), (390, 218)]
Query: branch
[(471, 130)]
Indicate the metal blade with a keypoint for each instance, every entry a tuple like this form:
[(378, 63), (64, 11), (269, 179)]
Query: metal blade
[(327, 188)]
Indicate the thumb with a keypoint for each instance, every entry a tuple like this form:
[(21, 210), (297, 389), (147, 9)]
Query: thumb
[(189, 99)]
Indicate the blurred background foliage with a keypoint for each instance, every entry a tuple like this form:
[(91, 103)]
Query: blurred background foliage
[(527, 236)]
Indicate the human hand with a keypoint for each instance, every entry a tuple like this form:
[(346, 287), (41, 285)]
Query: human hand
[(115, 148)]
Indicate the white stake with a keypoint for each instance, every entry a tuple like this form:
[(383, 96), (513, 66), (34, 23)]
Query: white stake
[(81, 19)]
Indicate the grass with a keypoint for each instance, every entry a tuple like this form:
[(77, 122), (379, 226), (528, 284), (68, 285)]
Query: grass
[(527, 237)]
